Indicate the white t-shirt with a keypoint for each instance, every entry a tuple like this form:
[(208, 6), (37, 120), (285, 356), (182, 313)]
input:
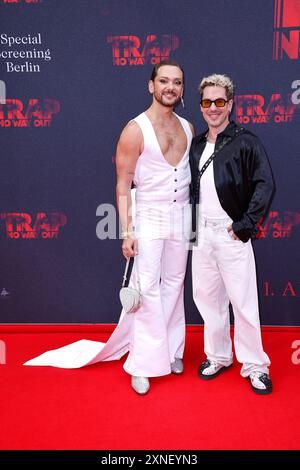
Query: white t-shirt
[(209, 204)]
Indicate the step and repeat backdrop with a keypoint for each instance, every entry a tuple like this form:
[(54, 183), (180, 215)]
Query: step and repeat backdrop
[(72, 74)]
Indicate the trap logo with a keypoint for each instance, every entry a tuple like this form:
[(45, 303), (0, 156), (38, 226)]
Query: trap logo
[(129, 50), (16, 225), (286, 38), (34, 113), (278, 225), (256, 109)]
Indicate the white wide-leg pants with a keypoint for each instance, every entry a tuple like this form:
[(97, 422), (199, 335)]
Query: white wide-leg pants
[(155, 334), (223, 270), (158, 327)]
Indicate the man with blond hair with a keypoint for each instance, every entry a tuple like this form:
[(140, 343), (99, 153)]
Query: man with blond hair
[(232, 187)]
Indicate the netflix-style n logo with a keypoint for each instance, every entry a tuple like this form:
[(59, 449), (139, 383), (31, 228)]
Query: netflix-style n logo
[(286, 43)]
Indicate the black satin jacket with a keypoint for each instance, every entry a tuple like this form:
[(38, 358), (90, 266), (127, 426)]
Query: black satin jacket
[(243, 179)]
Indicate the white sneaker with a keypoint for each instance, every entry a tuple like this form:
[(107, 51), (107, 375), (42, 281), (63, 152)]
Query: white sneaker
[(260, 383), (210, 369), (140, 385)]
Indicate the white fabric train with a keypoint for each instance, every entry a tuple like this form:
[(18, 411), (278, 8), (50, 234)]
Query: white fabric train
[(155, 334)]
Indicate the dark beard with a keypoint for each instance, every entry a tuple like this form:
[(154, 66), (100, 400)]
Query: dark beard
[(168, 105)]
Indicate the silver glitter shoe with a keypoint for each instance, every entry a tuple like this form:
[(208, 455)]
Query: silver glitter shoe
[(177, 366), (140, 385)]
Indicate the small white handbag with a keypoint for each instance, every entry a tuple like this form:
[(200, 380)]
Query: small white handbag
[(129, 296)]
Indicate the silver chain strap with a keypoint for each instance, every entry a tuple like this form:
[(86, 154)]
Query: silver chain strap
[(137, 273)]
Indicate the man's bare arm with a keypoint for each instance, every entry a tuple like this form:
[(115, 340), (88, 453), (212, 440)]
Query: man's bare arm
[(128, 151)]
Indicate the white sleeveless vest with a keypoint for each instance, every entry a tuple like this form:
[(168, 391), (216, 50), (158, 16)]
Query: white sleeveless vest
[(162, 190)]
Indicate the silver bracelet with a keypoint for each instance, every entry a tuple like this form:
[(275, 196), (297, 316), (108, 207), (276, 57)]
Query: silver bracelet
[(128, 233)]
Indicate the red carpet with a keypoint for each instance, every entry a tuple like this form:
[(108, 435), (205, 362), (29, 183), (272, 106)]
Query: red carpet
[(95, 407)]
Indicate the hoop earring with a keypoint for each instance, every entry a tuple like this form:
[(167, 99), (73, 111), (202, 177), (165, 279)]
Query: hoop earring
[(182, 102)]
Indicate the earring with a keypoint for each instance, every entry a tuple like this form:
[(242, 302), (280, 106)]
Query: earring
[(182, 102)]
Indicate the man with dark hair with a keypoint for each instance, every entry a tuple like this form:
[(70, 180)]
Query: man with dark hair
[(163, 63), (232, 187), (153, 153)]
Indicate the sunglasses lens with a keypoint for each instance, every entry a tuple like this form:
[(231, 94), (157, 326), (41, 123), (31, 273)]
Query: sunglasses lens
[(206, 103), (220, 103)]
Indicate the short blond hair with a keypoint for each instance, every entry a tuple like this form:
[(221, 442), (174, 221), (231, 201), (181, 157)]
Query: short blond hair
[(217, 80)]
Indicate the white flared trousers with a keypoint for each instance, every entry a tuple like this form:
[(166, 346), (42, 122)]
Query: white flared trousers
[(224, 270), (157, 333)]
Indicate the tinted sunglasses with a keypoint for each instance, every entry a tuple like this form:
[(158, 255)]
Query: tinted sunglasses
[(219, 102)]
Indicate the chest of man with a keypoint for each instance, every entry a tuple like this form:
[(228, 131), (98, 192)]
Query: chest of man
[(172, 141)]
